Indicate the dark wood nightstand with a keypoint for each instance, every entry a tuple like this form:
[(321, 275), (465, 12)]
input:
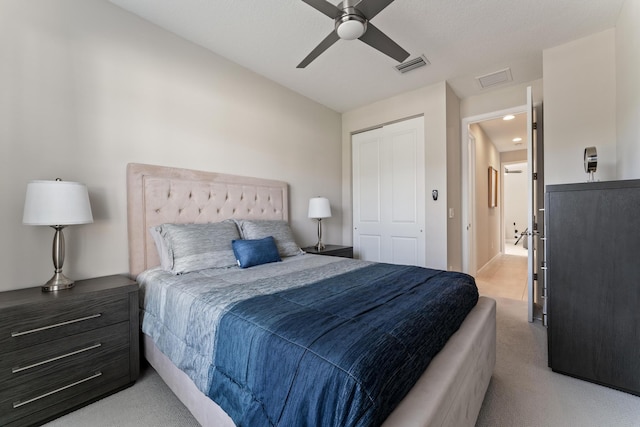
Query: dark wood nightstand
[(62, 350), (331, 250)]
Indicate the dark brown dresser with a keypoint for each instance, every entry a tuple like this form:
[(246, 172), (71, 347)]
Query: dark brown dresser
[(593, 281), (62, 350)]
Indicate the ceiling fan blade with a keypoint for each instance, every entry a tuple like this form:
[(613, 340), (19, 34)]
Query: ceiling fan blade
[(378, 40), (324, 45), (325, 7), (371, 8)]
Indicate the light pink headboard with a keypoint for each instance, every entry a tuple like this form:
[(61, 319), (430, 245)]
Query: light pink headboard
[(159, 194)]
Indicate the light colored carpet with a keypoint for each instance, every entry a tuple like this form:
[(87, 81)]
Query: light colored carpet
[(149, 402), (523, 391)]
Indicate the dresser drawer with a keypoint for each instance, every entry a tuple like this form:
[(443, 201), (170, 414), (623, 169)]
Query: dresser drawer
[(72, 387), (28, 365), (31, 324)]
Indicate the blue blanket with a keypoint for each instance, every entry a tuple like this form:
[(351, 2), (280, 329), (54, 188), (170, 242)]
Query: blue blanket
[(339, 352)]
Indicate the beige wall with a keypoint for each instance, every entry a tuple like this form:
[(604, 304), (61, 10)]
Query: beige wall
[(87, 88), (628, 91), (487, 232), (454, 183), (580, 108), (430, 101)]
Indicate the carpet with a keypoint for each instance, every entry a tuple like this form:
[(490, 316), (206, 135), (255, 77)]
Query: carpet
[(524, 392)]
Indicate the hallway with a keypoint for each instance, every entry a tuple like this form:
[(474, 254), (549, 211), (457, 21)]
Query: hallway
[(505, 276)]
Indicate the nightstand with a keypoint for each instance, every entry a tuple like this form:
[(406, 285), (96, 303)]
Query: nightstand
[(331, 250), (65, 349)]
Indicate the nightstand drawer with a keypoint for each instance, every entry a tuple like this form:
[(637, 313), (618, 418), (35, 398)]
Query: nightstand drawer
[(44, 361), (331, 250), (30, 324), (86, 381), (62, 350)]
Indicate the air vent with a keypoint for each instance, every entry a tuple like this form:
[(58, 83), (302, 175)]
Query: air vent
[(494, 79), (412, 64)]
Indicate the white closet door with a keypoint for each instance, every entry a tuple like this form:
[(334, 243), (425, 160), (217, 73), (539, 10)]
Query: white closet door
[(389, 193)]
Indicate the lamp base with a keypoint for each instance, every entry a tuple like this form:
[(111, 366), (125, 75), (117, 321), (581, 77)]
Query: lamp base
[(58, 282), (319, 246)]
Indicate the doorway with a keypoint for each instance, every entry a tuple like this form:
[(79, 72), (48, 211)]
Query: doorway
[(490, 144), (499, 265), (514, 213), (533, 141)]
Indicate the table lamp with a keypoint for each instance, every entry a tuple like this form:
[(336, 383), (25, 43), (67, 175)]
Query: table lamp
[(57, 204), (319, 209)]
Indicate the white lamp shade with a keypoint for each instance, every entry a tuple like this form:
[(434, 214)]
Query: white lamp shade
[(319, 207), (56, 203)]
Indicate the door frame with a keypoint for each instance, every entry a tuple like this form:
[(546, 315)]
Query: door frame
[(468, 190)]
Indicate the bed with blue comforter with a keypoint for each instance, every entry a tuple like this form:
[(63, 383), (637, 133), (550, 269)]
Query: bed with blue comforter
[(312, 340)]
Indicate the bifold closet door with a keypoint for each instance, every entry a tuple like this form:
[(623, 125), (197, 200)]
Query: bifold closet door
[(389, 193)]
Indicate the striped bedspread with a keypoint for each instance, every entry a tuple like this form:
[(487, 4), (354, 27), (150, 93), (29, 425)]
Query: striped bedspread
[(314, 341)]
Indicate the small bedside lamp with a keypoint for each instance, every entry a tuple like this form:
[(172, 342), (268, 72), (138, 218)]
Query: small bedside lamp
[(319, 208), (57, 204)]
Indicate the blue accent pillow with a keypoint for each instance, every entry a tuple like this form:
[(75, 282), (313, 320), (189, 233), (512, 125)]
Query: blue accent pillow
[(255, 252)]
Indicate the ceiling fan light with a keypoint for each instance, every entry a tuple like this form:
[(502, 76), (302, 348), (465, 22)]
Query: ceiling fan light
[(351, 28)]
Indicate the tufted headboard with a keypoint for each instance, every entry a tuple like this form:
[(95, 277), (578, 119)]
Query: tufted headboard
[(159, 194)]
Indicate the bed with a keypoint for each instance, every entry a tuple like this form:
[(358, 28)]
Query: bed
[(448, 393)]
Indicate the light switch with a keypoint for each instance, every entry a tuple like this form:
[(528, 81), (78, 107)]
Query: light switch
[(451, 213)]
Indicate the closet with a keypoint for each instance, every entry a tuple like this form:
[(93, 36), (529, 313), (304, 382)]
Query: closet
[(389, 193)]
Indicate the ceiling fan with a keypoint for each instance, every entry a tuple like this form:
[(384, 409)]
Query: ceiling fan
[(352, 21)]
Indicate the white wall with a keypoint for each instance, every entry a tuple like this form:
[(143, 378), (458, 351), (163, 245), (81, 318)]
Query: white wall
[(500, 99), (580, 108), (430, 101), (515, 203), (628, 90), (87, 88)]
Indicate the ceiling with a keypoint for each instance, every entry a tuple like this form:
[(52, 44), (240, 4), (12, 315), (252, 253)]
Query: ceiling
[(462, 39), (501, 132)]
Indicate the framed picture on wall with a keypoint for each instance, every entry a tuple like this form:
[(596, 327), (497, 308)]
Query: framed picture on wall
[(493, 187)]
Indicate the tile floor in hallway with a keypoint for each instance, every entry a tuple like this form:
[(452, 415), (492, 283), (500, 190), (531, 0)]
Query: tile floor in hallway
[(504, 276)]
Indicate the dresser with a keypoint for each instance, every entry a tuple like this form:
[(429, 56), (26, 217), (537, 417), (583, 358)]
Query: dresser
[(331, 250), (62, 350), (593, 281)]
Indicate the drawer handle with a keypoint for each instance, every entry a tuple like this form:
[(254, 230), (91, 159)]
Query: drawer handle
[(44, 328), (53, 359), (25, 402)]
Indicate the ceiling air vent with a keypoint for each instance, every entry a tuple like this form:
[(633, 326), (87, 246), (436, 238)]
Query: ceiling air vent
[(494, 79), (412, 64)]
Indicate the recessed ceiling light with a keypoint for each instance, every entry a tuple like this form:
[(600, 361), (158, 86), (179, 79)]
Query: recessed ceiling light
[(517, 139), (509, 117)]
